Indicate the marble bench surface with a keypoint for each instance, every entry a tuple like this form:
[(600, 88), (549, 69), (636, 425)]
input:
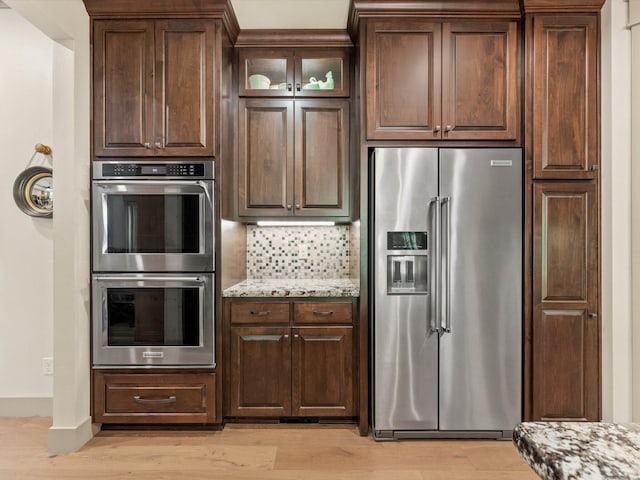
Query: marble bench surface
[(580, 450), (341, 287)]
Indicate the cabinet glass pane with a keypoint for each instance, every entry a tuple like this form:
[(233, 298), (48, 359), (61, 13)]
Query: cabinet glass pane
[(266, 73), (322, 73)]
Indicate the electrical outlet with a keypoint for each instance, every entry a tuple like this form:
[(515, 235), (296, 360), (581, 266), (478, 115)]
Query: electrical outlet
[(303, 251), (47, 366)]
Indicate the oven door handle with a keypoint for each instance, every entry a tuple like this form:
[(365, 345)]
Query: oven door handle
[(145, 278)]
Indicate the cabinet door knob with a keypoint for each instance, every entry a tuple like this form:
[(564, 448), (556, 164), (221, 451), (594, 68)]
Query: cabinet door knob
[(448, 128), (593, 315), (159, 145), (289, 87), (297, 206), (289, 207), (296, 336), (286, 335), (593, 168), (298, 87), (147, 145), (436, 129)]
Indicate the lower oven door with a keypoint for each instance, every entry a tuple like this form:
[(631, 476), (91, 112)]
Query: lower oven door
[(149, 319), (153, 226)]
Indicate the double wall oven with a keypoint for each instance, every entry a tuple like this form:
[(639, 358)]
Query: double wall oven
[(153, 244)]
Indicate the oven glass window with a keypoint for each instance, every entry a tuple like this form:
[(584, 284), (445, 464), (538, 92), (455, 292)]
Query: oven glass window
[(153, 316), (153, 223)]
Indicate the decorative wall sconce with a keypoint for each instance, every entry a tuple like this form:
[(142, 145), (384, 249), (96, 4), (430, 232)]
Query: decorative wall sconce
[(33, 188)]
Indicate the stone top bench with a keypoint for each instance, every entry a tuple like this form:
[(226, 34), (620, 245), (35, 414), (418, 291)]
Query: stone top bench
[(580, 450)]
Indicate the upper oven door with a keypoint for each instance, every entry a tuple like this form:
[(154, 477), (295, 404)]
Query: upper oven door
[(153, 226)]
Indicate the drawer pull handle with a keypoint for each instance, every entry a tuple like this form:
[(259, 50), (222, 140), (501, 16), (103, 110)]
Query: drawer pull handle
[(154, 401), (323, 314), (262, 313)]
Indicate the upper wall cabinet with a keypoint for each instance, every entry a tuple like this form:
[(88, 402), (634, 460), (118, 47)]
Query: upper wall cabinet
[(565, 97), (430, 80), (154, 87), (293, 158), (300, 73)]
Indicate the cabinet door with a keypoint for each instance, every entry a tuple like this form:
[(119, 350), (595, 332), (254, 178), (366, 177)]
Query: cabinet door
[(265, 73), (566, 351), (260, 372), (480, 81), (403, 80), (322, 364), (322, 73), (123, 69), (184, 88), (565, 98), (321, 157), (265, 150)]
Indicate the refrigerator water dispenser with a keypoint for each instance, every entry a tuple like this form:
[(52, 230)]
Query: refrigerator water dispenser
[(407, 263), (407, 274)]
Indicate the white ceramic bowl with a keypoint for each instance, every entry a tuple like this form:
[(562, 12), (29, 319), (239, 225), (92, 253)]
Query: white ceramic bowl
[(259, 82)]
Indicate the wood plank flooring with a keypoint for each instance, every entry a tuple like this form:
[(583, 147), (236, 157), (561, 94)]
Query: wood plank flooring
[(248, 452)]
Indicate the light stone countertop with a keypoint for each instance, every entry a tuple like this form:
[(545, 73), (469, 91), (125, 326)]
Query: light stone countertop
[(340, 287), (580, 450)]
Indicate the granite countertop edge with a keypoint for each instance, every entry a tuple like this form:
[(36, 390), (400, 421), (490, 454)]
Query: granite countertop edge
[(568, 450), (342, 287)]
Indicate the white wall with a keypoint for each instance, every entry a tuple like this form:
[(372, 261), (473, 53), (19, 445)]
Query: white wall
[(26, 246), (67, 23)]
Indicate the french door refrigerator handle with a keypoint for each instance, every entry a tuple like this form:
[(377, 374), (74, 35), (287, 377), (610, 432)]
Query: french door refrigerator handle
[(446, 204), (435, 322)]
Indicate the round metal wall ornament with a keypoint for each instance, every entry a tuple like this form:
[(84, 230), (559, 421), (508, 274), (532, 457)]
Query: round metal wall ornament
[(33, 191)]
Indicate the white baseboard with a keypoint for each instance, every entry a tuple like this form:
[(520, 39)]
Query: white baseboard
[(70, 439), (26, 406)]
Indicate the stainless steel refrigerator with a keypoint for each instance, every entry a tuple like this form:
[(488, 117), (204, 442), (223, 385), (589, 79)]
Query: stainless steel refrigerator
[(447, 281)]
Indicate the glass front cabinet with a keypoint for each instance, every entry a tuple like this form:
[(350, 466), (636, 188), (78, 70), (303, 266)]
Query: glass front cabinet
[(299, 73)]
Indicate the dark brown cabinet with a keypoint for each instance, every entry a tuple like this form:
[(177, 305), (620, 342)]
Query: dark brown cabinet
[(565, 330), (154, 83), (565, 97), (293, 158), (562, 142), (431, 80), (288, 73), (291, 359)]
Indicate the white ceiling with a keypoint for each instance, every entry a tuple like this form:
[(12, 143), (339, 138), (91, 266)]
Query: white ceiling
[(277, 14)]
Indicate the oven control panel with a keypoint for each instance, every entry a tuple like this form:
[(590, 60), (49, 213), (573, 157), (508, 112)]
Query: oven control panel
[(152, 170)]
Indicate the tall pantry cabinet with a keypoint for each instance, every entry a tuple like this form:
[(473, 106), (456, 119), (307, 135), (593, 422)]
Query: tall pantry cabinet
[(562, 146)]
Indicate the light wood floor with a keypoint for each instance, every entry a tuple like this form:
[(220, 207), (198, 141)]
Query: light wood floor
[(248, 452)]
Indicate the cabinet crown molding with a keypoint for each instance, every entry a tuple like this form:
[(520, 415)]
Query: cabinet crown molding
[(157, 8), (294, 38), (561, 6)]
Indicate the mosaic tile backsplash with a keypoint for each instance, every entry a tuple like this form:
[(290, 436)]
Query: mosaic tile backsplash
[(298, 252)]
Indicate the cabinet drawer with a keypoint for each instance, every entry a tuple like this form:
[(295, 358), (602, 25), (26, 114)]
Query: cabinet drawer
[(307, 312), (154, 398), (254, 312)]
